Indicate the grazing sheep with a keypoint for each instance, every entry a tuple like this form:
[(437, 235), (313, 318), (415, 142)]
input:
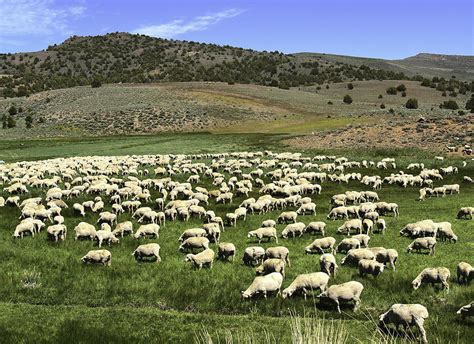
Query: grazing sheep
[(107, 236), (380, 226), (307, 208), (84, 230), (24, 227), (293, 229), (123, 228), (103, 257), (268, 284), (355, 224), (57, 232), (345, 292), (194, 243), (288, 216), (192, 232), (370, 266), (363, 239), (339, 212), (271, 265), (225, 251), (268, 223), (278, 252), (253, 255), (466, 311), (355, 255), (107, 217), (419, 244), (386, 256), (432, 276), (327, 263), (263, 232), (316, 227), (368, 225), (405, 315), (307, 282), (445, 232), (147, 250), (466, 213), (79, 208), (465, 273), (319, 245), (204, 258), (347, 244), (151, 229)]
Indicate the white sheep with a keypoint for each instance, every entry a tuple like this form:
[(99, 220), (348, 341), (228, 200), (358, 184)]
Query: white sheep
[(319, 245), (345, 292), (445, 232), (84, 230), (278, 252), (147, 250), (24, 227), (355, 255), (466, 213), (225, 251), (288, 216), (339, 212), (464, 273), (405, 315), (307, 208), (268, 223), (370, 266), (57, 232), (327, 263), (268, 284), (419, 244), (347, 244), (263, 232), (380, 226), (192, 232), (293, 229), (201, 259), (103, 257), (363, 239), (355, 224), (194, 243), (307, 282), (432, 276), (151, 229), (466, 311), (123, 228), (387, 256), (316, 227), (253, 255), (105, 236)]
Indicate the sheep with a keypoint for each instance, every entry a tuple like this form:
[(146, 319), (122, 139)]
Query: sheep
[(432, 275), (319, 245), (363, 239), (59, 220), (22, 228), (445, 232), (57, 232), (347, 244), (268, 284), (204, 258), (345, 292), (466, 311), (464, 273), (288, 216), (194, 243), (263, 232), (122, 228), (253, 255), (107, 217), (231, 219), (387, 256), (151, 229), (307, 282), (327, 263), (380, 226), (271, 265), (418, 244), (452, 188), (147, 250), (339, 212), (355, 224), (466, 213), (278, 252), (293, 229), (370, 266), (268, 223), (405, 315), (368, 225), (192, 232), (226, 251), (103, 257), (213, 231), (316, 227), (107, 236), (309, 208), (79, 208), (355, 255), (84, 230)]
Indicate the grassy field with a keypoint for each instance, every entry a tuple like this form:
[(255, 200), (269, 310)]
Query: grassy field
[(170, 302)]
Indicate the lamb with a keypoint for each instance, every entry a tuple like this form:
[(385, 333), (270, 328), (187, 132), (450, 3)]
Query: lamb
[(194, 243), (226, 251), (465, 273), (57, 232), (151, 229), (445, 232), (263, 232), (405, 315), (327, 263), (363, 239), (204, 258), (466, 213), (466, 311), (278, 252), (316, 227), (294, 229), (84, 230), (370, 266), (103, 257), (432, 275), (147, 250), (192, 232), (309, 208), (427, 243), (288, 216), (319, 245), (253, 255), (347, 244), (268, 223), (307, 282), (107, 236), (123, 228), (339, 212), (355, 224), (107, 217), (387, 256), (24, 227), (268, 284), (271, 265), (452, 188), (355, 255), (345, 292)]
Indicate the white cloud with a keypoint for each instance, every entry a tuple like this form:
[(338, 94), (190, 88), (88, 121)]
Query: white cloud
[(178, 27), (36, 17)]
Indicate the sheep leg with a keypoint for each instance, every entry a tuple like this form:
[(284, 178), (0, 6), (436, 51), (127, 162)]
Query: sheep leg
[(419, 323), (337, 305)]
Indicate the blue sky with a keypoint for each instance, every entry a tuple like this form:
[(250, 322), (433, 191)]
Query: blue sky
[(375, 28)]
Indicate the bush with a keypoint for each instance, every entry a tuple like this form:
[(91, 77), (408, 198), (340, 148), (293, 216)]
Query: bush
[(391, 111), (380, 96), (350, 86), (11, 123), (382, 106), (12, 111), (347, 99), (330, 102), (28, 121), (392, 91), (470, 104), (461, 113), (444, 94), (96, 83), (450, 105), (401, 88), (404, 94), (412, 103)]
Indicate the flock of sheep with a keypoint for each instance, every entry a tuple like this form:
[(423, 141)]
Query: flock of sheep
[(123, 184)]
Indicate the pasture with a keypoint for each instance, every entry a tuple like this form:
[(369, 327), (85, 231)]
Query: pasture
[(172, 302)]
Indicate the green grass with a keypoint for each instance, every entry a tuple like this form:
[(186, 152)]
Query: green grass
[(132, 302)]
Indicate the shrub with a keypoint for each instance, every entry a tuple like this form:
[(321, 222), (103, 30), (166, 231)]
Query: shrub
[(449, 104), (96, 83), (12, 111), (28, 121), (444, 94), (391, 111), (412, 103), (347, 99), (380, 96), (461, 113), (470, 104), (392, 91), (350, 86), (404, 94), (382, 106), (401, 88), (11, 123), (330, 102)]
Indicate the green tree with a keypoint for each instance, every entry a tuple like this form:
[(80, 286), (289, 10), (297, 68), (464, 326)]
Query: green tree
[(29, 121), (449, 104), (401, 88), (404, 94), (96, 83), (347, 99), (12, 111), (470, 104), (391, 90), (11, 123), (412, 103), (382, 106), (350, 86)]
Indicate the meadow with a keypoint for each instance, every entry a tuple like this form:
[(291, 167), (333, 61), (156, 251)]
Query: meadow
[(171, 302)]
